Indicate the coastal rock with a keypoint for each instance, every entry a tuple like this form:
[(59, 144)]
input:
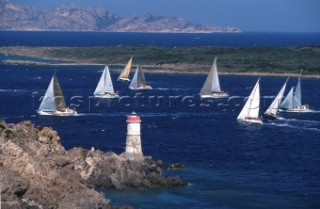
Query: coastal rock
[(110, 170), (37, 172), (70, 17), (39, 179)]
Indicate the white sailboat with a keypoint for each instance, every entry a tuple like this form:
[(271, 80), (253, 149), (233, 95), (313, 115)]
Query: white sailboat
[(271, 112), (292, 102), (53, 101), (139, 81), (104, 88), (124, 76), (211, 87), (250, 111)]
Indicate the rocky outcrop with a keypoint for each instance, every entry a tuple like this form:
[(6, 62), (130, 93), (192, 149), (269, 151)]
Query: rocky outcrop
[(109, 170), (37, 172), (70, 17)]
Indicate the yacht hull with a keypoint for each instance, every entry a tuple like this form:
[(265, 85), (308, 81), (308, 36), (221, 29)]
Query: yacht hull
[(66, 112), (142, 88), (257, 121), (123, 79), (216, 95), (269, 116), (106, 96), (302, 108)]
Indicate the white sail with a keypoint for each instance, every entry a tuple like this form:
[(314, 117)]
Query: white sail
[(126, 71), (53, 99), (215, 78), (287, 103), (212, 83), (139, 81), (134, 82), (297, 94), (48, 102), (252, 105), (273, 108), (105, 83)]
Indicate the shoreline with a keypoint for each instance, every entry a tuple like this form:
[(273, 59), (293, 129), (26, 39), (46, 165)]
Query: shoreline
[(162, 69)]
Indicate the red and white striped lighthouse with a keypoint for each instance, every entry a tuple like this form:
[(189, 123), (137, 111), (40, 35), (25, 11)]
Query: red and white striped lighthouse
[(133, 142)]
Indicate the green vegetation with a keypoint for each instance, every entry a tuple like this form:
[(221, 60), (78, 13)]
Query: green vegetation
[(254, 59)]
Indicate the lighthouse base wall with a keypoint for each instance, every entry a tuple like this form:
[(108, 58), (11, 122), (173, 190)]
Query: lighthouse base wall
[(133, 148)]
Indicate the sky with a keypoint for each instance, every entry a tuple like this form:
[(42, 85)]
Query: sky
[(248, 15)]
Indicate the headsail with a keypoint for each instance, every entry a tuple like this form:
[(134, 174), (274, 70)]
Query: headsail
[(134, 82), (105, 83), (273, 108), (252, 105), (287, 103), (212, 83), (126, 71)]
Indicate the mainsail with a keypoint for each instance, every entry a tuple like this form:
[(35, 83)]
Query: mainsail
[(252, 105), (297, 94), (273, 108), (53, 99), (141, 78), (212, 83), (125, 72), (105, 83), (138, 79)]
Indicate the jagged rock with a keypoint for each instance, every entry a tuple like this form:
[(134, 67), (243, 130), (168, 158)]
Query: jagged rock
[(70, 17), (174, 181), (114, 171), (36, 171)]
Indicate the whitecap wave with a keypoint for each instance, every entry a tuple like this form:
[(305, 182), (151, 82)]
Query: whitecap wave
[(313, 111), (37, 78), (305, 126), (294, 120), (312, 129), (162, 89), (14, 91)]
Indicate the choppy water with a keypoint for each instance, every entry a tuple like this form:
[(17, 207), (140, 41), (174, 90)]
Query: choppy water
[(229, 165)]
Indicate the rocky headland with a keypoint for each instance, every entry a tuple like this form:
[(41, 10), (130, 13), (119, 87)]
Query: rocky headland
[(37, 172), (70, 17)]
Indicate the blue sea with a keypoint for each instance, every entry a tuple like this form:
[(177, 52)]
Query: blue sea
[(84, 39), (228, 165)]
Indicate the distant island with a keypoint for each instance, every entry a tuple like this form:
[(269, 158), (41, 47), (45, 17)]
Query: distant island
[(70, 17)]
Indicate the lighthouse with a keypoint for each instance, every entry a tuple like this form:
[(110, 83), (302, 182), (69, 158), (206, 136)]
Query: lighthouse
[(133, 143)]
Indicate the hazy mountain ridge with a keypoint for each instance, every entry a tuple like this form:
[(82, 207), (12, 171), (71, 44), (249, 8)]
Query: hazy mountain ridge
[(70, 17)]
